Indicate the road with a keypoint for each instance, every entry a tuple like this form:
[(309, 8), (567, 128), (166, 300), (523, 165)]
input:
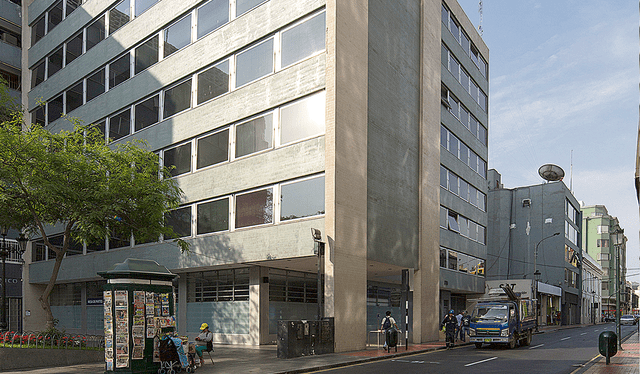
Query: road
[(562, 351)]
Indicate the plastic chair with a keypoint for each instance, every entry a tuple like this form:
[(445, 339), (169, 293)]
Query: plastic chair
[(209, 350)]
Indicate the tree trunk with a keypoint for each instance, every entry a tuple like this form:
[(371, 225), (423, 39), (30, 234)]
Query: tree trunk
[(44, 298)]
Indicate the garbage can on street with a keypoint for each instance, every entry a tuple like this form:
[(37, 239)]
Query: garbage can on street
[(608, 344)]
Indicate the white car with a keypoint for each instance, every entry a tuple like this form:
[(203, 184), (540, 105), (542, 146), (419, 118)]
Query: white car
[(627, 320)]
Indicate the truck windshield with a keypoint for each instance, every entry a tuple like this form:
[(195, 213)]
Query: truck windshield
[(491, 312)]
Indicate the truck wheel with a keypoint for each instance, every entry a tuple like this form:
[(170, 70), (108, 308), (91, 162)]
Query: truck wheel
[(478, 345), (527, 340), (512, 343)]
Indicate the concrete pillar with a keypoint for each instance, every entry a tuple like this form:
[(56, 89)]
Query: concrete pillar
[(258, 305), (36, 319), (182, 305), (346, 171)]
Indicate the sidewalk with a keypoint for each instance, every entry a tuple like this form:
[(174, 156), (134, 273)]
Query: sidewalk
[(263, 360), (624, 362)]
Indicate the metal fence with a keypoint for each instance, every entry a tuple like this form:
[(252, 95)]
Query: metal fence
[(56, 340)]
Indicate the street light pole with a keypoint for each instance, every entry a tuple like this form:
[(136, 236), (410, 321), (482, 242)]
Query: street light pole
[(618, 238), (537, 274)]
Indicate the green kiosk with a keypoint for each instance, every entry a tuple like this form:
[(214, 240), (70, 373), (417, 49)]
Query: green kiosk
[(139, 305)]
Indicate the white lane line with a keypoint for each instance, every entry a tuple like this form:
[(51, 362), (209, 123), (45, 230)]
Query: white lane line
[(537, 346), (584, 333), (568, 337), (479, 362)]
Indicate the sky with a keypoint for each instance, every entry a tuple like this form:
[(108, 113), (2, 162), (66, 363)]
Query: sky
[(563, 77)]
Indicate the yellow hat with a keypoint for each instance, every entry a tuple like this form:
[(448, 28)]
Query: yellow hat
[(203, 326)]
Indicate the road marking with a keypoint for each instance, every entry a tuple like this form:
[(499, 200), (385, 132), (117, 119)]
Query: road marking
[(584, 333), (479, 362), (417, 362), (537, 346), (568, 337)]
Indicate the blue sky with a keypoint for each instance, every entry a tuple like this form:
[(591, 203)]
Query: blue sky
[(564, 76)]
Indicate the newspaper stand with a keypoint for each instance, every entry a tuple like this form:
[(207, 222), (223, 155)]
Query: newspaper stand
[(139, 306)]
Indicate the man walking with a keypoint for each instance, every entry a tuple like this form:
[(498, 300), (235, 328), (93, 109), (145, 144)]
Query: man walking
[(459, 326), (387, 323), (450, 322), (466, 322)]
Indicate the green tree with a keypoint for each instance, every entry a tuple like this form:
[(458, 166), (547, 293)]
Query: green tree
[(73, 180)]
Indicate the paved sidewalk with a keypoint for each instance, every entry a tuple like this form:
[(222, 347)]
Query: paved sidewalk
[(624, 362)]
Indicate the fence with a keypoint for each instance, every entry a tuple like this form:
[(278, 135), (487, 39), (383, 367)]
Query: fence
[(55, 340)]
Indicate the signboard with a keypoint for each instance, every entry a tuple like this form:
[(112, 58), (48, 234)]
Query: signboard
[(14, 279)]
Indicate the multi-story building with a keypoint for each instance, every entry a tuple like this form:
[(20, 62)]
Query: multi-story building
[(11, 46), (537, 228), (598, 225), (591, 289), (279, 117)]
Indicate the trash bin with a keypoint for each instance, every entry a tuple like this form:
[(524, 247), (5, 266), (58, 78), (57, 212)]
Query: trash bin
[(608, 344), (305, 338)]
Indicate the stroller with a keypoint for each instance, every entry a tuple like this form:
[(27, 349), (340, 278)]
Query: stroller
[(172, 357)]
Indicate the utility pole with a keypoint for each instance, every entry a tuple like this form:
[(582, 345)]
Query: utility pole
[(618, 238)]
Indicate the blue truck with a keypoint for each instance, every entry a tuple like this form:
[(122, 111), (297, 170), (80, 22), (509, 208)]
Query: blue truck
[(503, 317)]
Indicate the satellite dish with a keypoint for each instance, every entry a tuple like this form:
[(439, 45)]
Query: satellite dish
[(551, 172)]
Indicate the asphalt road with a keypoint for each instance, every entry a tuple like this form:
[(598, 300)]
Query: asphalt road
[(562, 351)]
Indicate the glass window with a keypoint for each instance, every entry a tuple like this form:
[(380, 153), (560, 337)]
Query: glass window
[(37, 74), (302, 199), (95, 84), (37, 30), (481, 235), (119, 70), (454, 68), (72, 5), (453, 144), (454, 30), (146, 54), (54, 109), (74, 48), (213, 216), (147, 112), (38, 116), (473, 196), (464, 190), (55, 15), (443, 137), (212, 15), (302, 119), (213, 149), (443, 217), (464, 153), (464, 79), (74, 97), (443, 177), (254, 63), (213, 82), (254, 208), (444, 56), (178, 159), (443, 257), (120, 125), (453, 260), (95, 33), (142, 5), (119, 16), (55, 62), (453, 183), (180, 221), (303, 40), (177, 99), (254, 136), (464, 42), (453, 222), (177, 36), (243, 6)]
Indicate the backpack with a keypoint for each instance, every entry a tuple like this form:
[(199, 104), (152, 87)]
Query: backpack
[(466, 321), (387, 323)]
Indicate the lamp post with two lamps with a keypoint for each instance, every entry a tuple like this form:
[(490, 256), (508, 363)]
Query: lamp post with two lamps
[(7, 250), (537, 275)]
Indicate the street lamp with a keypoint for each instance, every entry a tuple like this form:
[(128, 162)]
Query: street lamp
[(6, 251), (617, 236), (319, 251), (537, 274)]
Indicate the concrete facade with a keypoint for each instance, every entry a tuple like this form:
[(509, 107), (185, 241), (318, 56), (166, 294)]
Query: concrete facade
[(379, 155), (11, 46)]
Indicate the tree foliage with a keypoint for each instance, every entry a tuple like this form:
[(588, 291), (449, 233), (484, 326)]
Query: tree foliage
[(75, 181)]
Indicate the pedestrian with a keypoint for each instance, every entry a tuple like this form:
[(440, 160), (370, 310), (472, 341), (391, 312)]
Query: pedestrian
[(387, 323), (466, 323), (459, 326), (449, 324), (202, 341)]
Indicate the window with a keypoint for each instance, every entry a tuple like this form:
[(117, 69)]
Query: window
[(37, 74), (243, 6), (74, 97), (254, 63), (72, 5), (453, 260), (38, 116), (177, 36), (147, 113), (452, 220), (213, 216), (218, 285), (74, 48), (37, 30), (602, 229), (180, 221), (119, 16), (443, 257), (119, 70), (95, 84), (95, 33), (213, 82), (177, 99), (602, 243), (443, 217), (603, 256), (254, 136), (302, 199), (55, 62), (254, 208), (443, 177), (303, 40), (54, 109), (146, 54), (178, 159), (120, 125), (142, 5), (55, 15), (213, 149), (302, 119), (212, 15)]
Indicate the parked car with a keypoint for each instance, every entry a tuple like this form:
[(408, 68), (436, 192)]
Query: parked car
[(627, 319), (609, 318)]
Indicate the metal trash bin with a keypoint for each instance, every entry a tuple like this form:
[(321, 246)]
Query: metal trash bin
[(608, 344), (305, 338)]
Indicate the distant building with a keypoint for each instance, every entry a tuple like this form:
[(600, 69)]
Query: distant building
[(523, 218), (591, 289)]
